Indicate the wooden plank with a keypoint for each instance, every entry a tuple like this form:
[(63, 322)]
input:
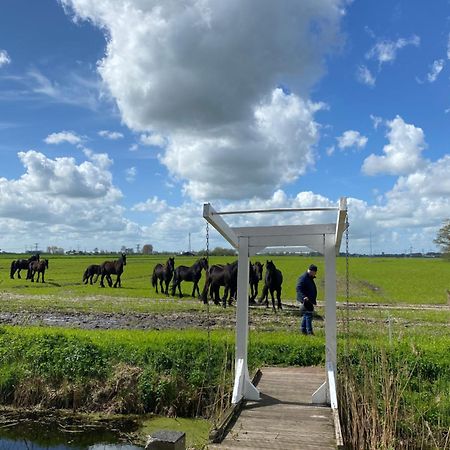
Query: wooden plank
[(284, 418)]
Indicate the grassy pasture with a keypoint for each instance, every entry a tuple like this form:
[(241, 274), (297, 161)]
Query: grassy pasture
[(371, 280)]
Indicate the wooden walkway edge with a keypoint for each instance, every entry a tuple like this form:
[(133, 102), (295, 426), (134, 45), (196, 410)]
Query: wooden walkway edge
[(285, 417)]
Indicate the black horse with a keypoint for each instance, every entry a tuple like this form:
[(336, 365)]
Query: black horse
[(21, 264), (255, 276), (192, 273), (115, 267), (163, 273), (39, 268), (221, 275), (90, 272), (272, 284)]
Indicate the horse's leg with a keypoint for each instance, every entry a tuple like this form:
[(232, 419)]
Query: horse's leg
[(101, 280), (42, 279), (273, 299), (279, 298), (18, 273)]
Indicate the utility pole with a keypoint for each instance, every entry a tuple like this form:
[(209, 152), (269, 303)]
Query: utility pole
[(36, 245), (189, 242), (138, 248)]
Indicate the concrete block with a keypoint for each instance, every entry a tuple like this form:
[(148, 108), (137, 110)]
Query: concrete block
[(166, 440)]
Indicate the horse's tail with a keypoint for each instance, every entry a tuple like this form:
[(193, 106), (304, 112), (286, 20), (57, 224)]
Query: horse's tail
[(204, 295), (98, 272), (13, 269), (174, 281), (264, 294), (85, 275), (154, 278)]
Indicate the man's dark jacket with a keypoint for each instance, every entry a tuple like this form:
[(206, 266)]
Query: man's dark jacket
[(306, 287)]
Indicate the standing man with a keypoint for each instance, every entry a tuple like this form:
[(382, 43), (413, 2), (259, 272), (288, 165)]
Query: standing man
[(307, 296)]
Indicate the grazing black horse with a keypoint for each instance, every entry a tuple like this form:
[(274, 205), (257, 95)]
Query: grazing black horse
[(255, 276), (163, 273), (115, 267), (221, 275), (93, 269), (19, 264), (39, 268), (272, 283), (193, 274)]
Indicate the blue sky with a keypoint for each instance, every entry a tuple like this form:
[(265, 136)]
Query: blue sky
[(119, 119)]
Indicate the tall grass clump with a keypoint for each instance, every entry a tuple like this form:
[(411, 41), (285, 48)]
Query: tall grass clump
[(395, 397)]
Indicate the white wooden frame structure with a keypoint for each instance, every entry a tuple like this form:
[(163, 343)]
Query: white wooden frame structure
[(324, 239)]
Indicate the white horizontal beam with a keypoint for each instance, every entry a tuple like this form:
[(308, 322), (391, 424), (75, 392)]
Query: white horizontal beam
[(312, 242), (277, 210), (285, 230)]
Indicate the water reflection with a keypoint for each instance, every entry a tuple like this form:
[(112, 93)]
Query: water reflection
[(53, 435), (24, 444)]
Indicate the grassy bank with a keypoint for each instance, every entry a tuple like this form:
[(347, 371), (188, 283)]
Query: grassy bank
[(398, 392), (133, 371)]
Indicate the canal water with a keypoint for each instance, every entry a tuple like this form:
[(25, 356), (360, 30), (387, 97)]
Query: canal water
[(54, 437)]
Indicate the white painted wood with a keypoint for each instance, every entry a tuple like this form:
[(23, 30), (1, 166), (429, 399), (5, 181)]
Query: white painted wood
[(286, 230), (219, 224), (321, 395), (330, 300), (313, 242), (341, 225), (243, 386), (323, 238), (277, 210)]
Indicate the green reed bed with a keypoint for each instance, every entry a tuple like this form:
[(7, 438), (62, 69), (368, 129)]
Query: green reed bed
[(395, 395)]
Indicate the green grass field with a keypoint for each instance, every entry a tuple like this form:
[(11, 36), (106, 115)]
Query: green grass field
[(371, 280)]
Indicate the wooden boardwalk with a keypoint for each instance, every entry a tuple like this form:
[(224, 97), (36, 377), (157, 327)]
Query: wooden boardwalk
[(284, 418)]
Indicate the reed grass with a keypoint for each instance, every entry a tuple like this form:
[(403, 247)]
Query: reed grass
[(395, 396)]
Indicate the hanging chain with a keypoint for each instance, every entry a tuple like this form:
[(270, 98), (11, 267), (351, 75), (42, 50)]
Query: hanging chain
[(207, 307), (347, 278)]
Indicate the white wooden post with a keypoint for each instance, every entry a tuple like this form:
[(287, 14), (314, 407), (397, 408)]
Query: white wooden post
[(322, 395), (243, 387)]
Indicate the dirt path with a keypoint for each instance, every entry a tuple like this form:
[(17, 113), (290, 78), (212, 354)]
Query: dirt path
[(172, 320)]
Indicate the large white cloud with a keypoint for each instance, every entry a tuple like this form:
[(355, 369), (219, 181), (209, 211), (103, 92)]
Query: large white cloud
[(241, 162), (402, 155), (58, 201), (204, 74)]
